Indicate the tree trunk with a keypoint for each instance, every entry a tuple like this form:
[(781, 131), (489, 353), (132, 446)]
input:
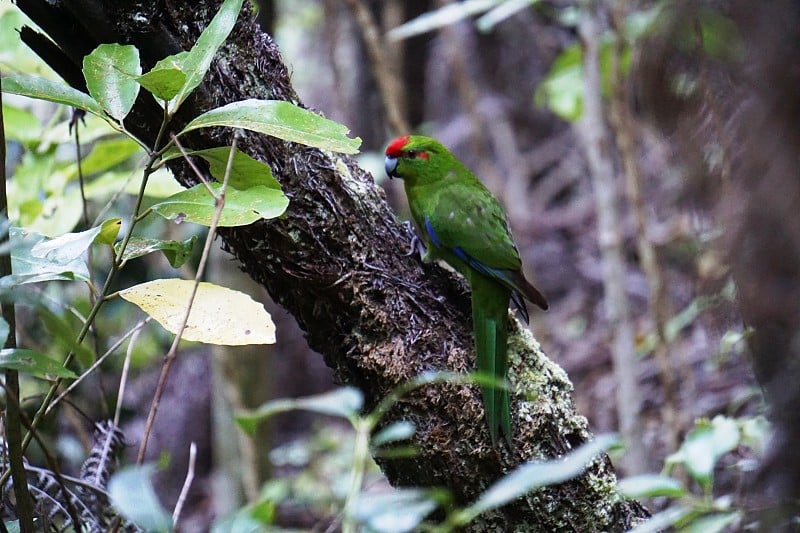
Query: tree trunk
[(336, 262)]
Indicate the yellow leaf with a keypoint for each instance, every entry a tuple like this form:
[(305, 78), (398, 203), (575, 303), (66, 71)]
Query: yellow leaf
[(219, 315)]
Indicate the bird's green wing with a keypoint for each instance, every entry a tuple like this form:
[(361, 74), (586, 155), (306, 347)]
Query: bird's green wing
[(468, 222), (466, 219)]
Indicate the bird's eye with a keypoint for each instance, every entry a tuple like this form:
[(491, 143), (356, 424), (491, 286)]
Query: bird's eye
[(411, 154)]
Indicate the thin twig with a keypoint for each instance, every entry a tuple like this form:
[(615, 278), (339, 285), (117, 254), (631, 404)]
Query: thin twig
[(459, 59), (97, 363), (123, 378), (193, 166), (624, 128), (360, 456), (49, 458), (598, 144), (187, 483), (169, 358), (387, 81), (13, 421)]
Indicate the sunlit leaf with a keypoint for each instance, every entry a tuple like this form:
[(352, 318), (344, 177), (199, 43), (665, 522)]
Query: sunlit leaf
[(28, 267), (441, 17), (282, 120), (160, 184), (505, 10), (562, 89), (109, 230), (663, 520), (33, 363), (105, 154), (52, 91), (195, 63), (396, 431), (108, 70), (165, 79), (650, 486), (704, 445), (132, 494), (67, 247), (397, 511), (533, 475), (712, 523), (246, 172), (21, 125), (344, 402), (241, 521), (176, 252), (241, 207), (16, 56), (219, 315)]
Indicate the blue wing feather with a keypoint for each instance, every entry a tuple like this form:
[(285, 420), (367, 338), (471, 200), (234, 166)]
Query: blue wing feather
[(432, 234)]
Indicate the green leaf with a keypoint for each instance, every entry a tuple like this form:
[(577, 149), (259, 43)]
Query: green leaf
[(756, 432), (110, 71), (197, 61), (61, 327), (105, 154), (704, 445), (166, 78), (282, 120), (43, 89), (344, 402), (533, 475), (176, 252), (397, 511), (241, 521), (109, 230), (664, 520), (132, 494), (562, 89), (67, 247), (650, 486), (219, 315), (28, 267), (33, 363), (21, 125), (241, 207), (4, 329), (712, 523), (246, 172), (396, 431)]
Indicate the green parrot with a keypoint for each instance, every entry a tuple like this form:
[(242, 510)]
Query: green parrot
[(460, 222)]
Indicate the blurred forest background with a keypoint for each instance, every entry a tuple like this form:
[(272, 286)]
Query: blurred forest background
[(624, 139)]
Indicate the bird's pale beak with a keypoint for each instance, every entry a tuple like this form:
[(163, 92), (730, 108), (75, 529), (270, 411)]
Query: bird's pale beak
[(390, 164)]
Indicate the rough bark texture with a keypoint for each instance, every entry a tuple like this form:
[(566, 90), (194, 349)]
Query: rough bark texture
[(337, 263)]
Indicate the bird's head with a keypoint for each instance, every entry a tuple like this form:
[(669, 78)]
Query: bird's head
[(418, 160)]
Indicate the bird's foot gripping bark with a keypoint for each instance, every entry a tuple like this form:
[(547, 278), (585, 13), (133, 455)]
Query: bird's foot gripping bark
[(416, 246)]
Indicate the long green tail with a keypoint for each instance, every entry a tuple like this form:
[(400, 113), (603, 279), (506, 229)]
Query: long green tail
[(489, 316)]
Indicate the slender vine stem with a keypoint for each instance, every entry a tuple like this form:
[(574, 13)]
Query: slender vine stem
[(169, 358)]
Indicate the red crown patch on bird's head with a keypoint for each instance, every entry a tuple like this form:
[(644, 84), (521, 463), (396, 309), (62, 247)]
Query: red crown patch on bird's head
[(395, 148)]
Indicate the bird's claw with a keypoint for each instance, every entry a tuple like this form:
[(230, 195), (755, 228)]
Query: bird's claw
[(416, 246)]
